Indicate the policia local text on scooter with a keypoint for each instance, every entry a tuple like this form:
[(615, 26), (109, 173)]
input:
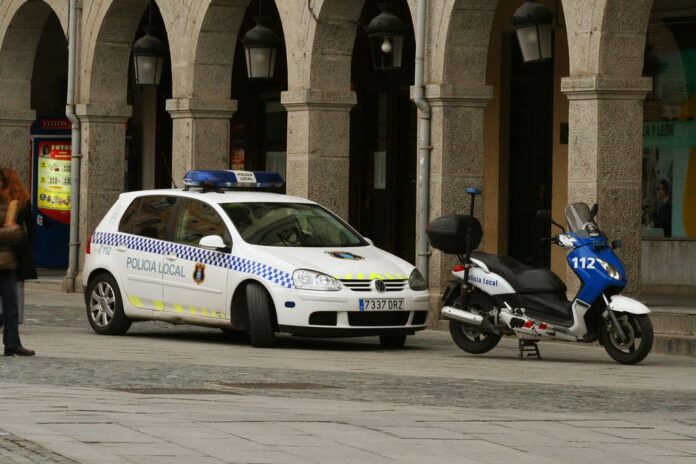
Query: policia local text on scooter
[(493, 295)]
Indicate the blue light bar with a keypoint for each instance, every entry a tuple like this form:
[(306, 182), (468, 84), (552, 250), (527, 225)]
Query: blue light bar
[(214, 180)]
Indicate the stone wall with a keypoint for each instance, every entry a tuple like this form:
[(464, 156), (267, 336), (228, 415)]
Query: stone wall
[(605, 40)]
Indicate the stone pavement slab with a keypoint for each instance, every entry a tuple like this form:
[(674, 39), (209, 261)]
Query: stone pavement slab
[(319, 430), (167, 394)]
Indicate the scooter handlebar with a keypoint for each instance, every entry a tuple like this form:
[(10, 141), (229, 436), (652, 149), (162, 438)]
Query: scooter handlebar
[(553, 239)]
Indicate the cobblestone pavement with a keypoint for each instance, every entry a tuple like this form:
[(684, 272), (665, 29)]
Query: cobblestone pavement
[(184, 394), (16, 449)]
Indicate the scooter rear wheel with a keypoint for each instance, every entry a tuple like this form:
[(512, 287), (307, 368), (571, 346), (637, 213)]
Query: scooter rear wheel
[(469, 337), (639, 331)]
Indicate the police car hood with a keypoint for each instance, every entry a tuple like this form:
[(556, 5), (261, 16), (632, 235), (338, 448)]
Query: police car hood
[(368, 262)]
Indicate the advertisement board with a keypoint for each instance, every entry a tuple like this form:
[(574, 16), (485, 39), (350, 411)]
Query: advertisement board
[(51, 191)]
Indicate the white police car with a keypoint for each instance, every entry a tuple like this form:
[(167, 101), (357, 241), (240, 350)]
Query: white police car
[(221, 253)]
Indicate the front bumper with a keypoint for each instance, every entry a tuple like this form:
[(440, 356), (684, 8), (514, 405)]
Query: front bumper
[(338, 313)]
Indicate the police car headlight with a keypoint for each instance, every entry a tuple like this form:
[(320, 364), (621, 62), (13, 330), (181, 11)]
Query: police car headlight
[(417, 282), (611, 270), (311, 280)]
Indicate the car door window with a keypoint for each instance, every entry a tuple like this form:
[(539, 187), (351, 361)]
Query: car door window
[(196, 220), (148, 216)]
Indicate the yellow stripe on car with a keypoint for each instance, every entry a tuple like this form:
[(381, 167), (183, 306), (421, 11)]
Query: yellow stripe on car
[(160, 305), (373, 276)]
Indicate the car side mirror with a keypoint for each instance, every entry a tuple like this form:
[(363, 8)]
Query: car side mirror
[(213, 242), (615, 244), (369, 241)]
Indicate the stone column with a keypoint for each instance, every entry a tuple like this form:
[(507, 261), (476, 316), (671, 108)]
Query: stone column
[(201, 134), (605, 158), (15, 129), (456, 161), (103, 165), (319, 146)]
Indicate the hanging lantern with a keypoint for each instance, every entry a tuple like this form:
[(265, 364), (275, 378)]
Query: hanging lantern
[(149, 54), (532, 23), (386, 32), (260, 48)]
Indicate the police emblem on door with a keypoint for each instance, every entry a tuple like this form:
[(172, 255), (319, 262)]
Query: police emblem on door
[(199, 273)]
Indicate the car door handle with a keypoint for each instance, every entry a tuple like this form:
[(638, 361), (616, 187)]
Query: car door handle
[(172, 257), (121, 248)]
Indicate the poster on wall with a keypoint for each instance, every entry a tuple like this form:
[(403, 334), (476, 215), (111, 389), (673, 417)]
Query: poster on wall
[(669, 179), (53, 179)]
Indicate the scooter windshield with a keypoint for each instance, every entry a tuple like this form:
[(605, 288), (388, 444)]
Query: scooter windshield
[(577, 215)]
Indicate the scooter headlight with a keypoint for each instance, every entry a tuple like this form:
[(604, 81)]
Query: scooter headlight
[(609, 269), (310, 280)]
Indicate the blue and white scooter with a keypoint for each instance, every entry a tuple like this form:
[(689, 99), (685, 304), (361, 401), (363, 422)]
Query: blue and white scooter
[(493, 295)]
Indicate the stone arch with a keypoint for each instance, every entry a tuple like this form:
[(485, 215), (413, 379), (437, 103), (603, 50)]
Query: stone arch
[(213, 29), (609, 39), (459, 40), (109, 31), (20, 34), (329, 29), (330, 35)]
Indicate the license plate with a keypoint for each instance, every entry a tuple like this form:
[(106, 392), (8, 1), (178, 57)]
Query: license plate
[(381, 304)]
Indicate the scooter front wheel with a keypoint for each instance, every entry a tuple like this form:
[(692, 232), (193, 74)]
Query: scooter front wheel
[(638, 330), (468, 337)]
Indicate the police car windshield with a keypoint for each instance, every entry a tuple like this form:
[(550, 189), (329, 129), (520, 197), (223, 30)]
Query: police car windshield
[(290, 225)]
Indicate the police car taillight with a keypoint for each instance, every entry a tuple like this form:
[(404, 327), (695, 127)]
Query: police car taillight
[(88, 245), (218, 180)]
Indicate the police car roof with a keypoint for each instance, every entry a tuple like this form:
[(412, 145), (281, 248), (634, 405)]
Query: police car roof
[(225, 196)]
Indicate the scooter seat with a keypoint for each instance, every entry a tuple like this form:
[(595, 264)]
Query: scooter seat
[(524, 279)]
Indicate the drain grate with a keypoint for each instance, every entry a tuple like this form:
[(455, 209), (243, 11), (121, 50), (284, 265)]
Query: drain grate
[(227, 388), (276, 385), (172, 391), (17, 450)]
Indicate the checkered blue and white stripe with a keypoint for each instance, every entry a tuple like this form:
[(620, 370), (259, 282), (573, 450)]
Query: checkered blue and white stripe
[(200, 255)]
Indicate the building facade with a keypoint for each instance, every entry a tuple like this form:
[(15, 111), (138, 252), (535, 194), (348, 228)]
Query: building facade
[(608, 120)]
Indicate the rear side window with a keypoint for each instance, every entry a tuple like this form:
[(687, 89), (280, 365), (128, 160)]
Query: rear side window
[(195, 220), (148, 216)]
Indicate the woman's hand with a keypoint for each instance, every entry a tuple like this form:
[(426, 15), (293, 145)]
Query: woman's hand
[(10, 234)]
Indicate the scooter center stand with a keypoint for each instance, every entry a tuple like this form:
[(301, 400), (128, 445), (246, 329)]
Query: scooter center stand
[(530, 347)]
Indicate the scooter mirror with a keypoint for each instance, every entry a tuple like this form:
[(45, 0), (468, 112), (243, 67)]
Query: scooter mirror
[(543, 215), (594, 211)]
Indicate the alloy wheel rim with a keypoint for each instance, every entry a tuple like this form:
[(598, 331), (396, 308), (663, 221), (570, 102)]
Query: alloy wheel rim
[(472, 332), (102, 304)]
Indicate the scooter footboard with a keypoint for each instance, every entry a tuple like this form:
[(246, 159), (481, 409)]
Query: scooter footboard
[(624, 304)]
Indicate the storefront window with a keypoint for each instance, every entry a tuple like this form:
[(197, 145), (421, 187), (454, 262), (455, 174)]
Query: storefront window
[(669, 131)]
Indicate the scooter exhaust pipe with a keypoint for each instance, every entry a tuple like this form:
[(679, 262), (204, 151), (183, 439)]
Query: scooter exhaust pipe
[(462, 316)]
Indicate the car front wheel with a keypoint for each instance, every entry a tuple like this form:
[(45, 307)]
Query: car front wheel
[(260, 318)]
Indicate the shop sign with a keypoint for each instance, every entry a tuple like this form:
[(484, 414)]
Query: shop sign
[(669, 134)]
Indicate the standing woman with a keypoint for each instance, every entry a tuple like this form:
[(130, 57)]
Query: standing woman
[(11, 237)]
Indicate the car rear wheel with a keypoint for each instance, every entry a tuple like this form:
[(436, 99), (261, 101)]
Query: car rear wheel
[(260, 318), (105, 307)]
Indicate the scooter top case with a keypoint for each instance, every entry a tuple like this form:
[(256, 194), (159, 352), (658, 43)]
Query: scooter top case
[(450, 233)]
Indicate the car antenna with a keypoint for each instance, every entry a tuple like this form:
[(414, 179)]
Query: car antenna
[(166, 165)]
